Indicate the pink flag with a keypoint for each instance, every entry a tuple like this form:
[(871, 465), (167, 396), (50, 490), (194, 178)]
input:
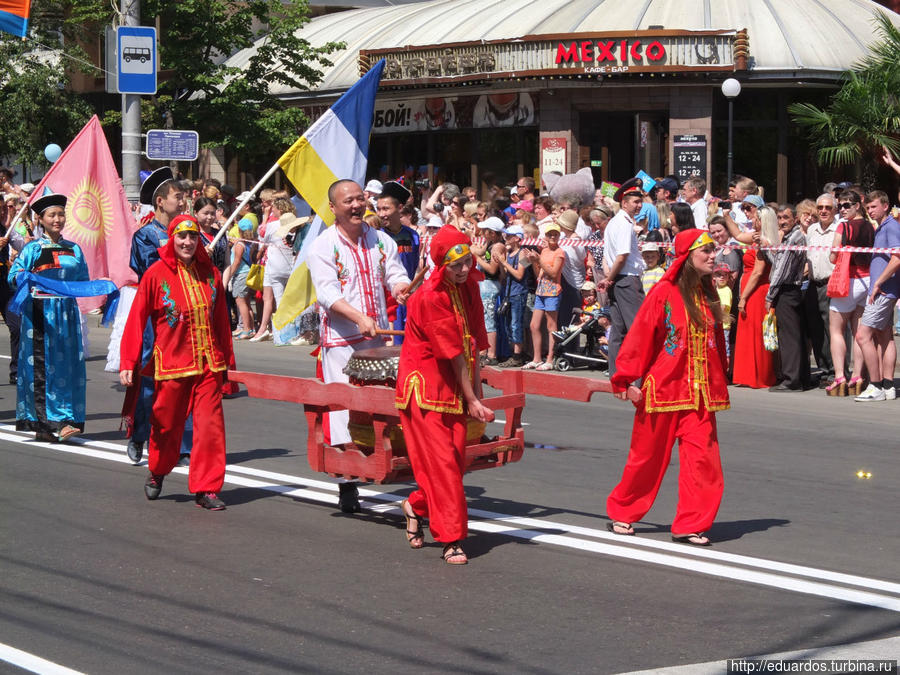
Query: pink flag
[(98, 216)]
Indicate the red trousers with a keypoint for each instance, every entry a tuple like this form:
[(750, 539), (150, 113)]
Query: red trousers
[(173, 401), (436, 444), (700, 481)]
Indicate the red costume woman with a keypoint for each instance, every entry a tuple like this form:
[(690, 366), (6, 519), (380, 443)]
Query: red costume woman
[(754, 366), (438, 383), (677, 346), (182, 295)]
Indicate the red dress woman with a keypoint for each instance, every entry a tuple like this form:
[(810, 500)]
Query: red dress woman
[(753, 365), (438, 384)]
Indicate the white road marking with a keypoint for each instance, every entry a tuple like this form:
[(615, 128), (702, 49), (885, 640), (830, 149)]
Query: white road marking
[(771, 573), (32, 663)]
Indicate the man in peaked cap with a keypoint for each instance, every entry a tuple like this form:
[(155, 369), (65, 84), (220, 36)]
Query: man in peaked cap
[(623, 259), (392, 198), (161, 191)]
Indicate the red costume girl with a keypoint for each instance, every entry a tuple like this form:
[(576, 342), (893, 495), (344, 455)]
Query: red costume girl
[(438, 383), (677, 347), (182, 295)]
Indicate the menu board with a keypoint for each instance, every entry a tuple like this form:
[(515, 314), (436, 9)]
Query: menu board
[(690, 156)]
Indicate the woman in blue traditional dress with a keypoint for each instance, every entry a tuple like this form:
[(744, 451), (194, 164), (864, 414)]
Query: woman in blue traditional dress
[(50, 392)]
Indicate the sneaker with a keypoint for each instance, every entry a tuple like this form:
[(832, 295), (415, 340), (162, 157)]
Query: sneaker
[(512, 362), (153, 485), (209, 500), (184, 459), (135, 452), (890, 394), (872, 393)]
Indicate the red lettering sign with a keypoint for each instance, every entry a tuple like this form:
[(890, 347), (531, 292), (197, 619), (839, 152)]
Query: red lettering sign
[(605, 50)]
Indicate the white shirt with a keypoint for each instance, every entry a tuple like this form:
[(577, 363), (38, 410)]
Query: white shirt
[(573, 269), (279, 258), (582, 229), (620, 238), (358, 273), (740, 217), (816, 236), (700, 212)]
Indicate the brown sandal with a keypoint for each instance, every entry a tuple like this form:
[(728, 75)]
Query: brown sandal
[(415, 538), (454, 550)]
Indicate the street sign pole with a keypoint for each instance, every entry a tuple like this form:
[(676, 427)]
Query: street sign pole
[(131, 117)]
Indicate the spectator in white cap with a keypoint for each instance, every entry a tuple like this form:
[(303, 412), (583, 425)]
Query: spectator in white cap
[(488, 257), (372, 192)]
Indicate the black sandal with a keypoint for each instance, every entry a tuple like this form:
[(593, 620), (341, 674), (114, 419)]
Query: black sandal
[(686, 539), (622, 525), (454, 550), (415, 538)]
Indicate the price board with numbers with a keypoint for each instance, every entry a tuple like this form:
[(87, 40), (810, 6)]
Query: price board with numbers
[(690, 156)]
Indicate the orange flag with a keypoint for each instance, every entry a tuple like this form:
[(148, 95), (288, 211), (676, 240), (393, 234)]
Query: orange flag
[(98, 216)]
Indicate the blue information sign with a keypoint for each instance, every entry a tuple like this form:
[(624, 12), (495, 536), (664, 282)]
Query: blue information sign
[(136, 59), (170, 144)]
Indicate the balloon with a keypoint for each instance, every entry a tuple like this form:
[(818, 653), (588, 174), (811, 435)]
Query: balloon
[(52, 152), (144, 175)]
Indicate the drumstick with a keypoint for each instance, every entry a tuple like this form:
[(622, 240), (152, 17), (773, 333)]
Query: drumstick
[(420, 275), (385, 331)]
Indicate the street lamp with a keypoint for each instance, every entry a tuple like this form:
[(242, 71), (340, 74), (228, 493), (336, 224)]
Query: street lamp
[(730, 89)]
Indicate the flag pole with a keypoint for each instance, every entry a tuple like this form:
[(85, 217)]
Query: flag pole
[(231, 218), (19, 214)]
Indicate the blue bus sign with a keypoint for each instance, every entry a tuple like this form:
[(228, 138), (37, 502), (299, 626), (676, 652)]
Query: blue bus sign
[(169, 144), (136, 59)]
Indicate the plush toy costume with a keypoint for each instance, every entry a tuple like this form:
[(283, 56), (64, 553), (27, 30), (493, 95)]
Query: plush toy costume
[(192, 350), (683, 367), (444, 320)]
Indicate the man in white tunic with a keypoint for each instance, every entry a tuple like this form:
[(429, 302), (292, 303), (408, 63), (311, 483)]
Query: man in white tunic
[(352, 266)]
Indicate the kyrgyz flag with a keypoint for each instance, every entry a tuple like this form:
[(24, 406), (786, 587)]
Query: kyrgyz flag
[(14, 16), (335, 147), (98, 216)]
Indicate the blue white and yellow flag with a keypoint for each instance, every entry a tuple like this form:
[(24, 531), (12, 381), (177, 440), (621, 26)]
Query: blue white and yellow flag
[(335, 147)]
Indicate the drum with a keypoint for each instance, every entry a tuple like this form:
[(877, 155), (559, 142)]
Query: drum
[(378, 366), (374, 366)]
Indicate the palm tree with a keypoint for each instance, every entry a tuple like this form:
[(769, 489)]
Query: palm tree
[(863, 117)]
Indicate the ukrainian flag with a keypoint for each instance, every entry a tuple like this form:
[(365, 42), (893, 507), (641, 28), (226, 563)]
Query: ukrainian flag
[(335, 147), (14, 16)]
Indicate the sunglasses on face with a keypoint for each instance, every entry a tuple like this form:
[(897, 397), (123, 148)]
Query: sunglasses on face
[(846, 205), (748, 207)]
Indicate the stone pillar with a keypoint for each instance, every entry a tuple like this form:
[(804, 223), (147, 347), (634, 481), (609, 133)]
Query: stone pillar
[(558, 120)]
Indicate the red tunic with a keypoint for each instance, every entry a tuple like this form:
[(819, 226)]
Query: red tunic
[(683, 367), (190, 320), (442, 323)]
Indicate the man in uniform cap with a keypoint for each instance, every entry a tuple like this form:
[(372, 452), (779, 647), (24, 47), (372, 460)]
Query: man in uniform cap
[(161, 191), (623, 259), (388, 204)]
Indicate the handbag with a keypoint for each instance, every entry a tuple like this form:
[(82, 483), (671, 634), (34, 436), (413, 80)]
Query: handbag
[(505, 306), (839, 281), (255, 276), (770, 331)]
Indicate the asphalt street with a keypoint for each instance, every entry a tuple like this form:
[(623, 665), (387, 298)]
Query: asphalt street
[(96, 579)]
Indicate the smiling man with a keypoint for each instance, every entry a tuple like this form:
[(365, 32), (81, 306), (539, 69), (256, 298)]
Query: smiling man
[(351, 265)]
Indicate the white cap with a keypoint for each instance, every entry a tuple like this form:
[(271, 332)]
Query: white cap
[(244, 195), (434, 221), (492, 223), (28, 188), (374, 186)]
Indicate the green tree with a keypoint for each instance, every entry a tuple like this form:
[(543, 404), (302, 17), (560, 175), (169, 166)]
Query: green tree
[(864, 114), (36, 105), (228, 106)]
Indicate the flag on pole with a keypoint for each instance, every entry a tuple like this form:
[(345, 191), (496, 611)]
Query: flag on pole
[(335, 147), (98, 216), (14, 16)]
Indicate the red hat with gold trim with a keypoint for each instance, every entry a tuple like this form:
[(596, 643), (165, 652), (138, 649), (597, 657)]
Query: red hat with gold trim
[(183, 223), (685, 242)]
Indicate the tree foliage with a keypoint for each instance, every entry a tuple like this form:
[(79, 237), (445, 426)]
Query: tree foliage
[(36, 106), (864, 114), (230, 106)]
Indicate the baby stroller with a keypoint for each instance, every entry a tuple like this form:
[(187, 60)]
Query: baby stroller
[(568, 351)]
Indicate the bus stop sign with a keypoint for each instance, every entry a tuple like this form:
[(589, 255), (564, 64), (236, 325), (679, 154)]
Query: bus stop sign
[(136, 59)]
